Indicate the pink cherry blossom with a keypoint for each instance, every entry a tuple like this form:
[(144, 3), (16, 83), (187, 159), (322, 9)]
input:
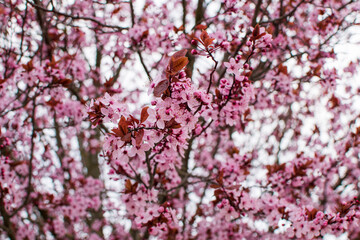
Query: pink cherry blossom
[(179, 120), (232, 67)]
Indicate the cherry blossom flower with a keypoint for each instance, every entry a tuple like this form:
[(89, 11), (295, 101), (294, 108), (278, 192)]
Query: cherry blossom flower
[(233, 67)]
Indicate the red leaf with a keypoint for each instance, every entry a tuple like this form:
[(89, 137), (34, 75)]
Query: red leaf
[(201, 27), (126, 137), (123, 125), (52, 102), (144, 114), (133, 120), (116, 10), (215, 186), (218, 94), (256, 30), (130, 188), (139, 137), (208, 41), (218, 192), (219, 178), (117, 132), (181, 28), (172, 124), (128, 185), (261, 35), (179, 54), (29, 66), (204, 35), (311, 214), (109, 82), (161, 87), (233, 187), (282, 69), (177, 64), (2, 80), (65, 82), (317, 70)]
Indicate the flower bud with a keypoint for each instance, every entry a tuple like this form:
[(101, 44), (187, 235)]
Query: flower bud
[(194, 52)]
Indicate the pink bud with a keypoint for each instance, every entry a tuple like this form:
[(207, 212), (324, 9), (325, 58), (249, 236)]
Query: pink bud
[(161, 209), (194, 52), (182, 75), (225, 44)]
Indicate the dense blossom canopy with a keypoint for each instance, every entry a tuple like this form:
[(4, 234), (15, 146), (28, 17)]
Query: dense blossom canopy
[(178, 119)]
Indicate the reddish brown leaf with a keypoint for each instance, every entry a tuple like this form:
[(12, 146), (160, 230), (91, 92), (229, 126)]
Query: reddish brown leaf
[(218, 192), (179, 54), (109, 82), (161, 87), (29, 66), (117, 132), (126, 137), (219, 178), (139, 137), (181, 28), (16, 163), (116, 10), (65, 82), (260, 35), (124, 60), (52, 102), (270, 29), (256, 30), (275, 168), (282, 69), (128, 186), (133, 120), (145, 34), (218, 94), (208, 42), (177, 64), (317, 70), (233, 187), (2, 80), (201, 27), (204, 35), (123, 125), (134, 187), (311, 214), (172, 124), (53, 63), (334, 102), (233, 150), (144, 114)]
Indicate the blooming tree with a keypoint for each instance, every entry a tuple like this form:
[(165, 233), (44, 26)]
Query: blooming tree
[(178, 120)]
